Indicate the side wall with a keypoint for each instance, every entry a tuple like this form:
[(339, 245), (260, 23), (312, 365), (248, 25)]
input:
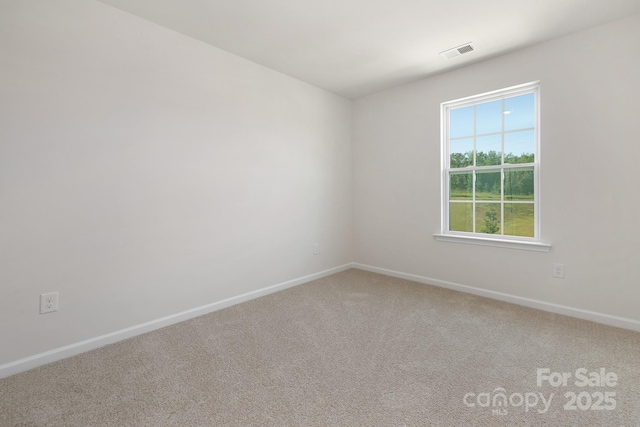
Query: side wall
[(143, 173), (589, 191)]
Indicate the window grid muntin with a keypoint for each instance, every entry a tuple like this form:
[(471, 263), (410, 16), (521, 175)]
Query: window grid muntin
[(493, 133)]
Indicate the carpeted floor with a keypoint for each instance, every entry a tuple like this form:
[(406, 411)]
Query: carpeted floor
[(352, 349)]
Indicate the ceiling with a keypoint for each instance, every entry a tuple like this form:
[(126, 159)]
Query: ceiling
[(357, 47)]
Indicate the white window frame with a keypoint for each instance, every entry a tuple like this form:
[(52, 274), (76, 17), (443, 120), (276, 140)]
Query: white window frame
[(507, 241)]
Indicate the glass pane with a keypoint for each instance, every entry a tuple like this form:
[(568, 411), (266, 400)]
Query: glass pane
[(488, 218), (461, 122), (518, 184), (461, 216), (488, 185), (460, 186), (461, 152), (489, 150), (519, 147), (519, 219), (489, 117), (519, 112)]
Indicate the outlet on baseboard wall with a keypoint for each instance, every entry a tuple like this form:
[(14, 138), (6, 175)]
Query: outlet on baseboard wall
[(48, 302), (316, 248)]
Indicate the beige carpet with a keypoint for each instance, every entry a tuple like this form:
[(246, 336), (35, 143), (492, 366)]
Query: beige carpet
[(352, 349)]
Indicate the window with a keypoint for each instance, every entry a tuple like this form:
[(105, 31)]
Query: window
[(491, 165)]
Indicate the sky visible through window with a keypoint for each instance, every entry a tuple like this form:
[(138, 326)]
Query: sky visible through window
[(518, 114)]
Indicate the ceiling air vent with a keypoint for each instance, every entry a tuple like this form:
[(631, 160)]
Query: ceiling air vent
[(457, 51)]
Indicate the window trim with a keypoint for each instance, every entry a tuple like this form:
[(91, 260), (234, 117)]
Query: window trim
[(507, 241), (497, 243)]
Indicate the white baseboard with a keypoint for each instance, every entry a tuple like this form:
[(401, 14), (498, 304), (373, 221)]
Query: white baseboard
[(619, 322), (50, 356)]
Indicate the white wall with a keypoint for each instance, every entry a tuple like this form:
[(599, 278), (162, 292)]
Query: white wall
[(143, 173), (590, 145)]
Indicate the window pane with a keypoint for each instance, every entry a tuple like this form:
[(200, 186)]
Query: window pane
[(461, 216), (518, 184), (519, 112), (519, 219), (489, 150), (489, 117), (519, 147), (461, 122), (488, 218), (460, 186), (488, 185), (461, 153), (490, 161)]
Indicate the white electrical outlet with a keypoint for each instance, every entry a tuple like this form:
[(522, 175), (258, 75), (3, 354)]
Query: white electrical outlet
[(48, 302), (316, 249), (558, 270)]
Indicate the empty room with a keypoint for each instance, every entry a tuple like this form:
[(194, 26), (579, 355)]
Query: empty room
[(305, 213)]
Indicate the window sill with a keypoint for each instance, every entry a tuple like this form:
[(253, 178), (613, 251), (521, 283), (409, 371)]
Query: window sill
[(498, 243)]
